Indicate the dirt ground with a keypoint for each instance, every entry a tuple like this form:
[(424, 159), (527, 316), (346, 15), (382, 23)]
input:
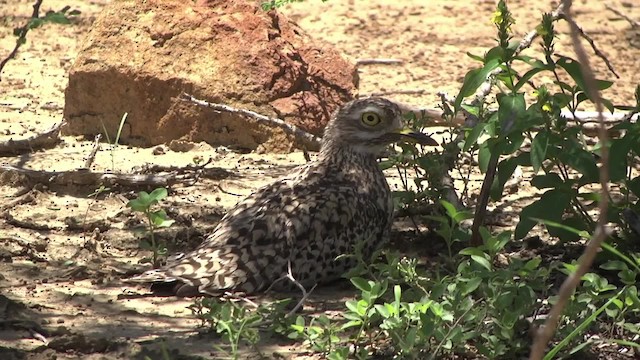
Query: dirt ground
[(69, 279)]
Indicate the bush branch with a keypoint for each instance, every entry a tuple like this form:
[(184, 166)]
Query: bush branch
[(545, 333)]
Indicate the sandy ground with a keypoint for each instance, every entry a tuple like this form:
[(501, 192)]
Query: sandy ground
[(69, 278)]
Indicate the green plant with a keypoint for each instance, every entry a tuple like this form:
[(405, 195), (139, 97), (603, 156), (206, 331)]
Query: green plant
[(146, 203), (114, 145), (233, 321), (63, 16), (239, 324)]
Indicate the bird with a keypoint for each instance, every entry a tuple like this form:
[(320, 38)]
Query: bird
[(300, 224)]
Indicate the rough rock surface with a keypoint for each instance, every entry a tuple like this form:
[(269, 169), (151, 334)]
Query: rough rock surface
[(140, 55)]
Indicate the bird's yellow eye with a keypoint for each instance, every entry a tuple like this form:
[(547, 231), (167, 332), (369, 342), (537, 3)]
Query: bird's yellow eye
[(370, 118)]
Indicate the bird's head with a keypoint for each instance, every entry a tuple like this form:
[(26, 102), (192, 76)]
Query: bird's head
[(368, 125)]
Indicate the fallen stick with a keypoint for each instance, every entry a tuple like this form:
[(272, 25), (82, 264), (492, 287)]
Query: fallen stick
[(94, 151), (87, 177), (305, 139), (46, 139), (378, 61)]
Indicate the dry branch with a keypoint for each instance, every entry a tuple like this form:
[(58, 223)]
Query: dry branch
[(634, 23), (46, 139), (597, 51), (545, 333), (305, 139), (94, 151), (378, 61), (85, 177)]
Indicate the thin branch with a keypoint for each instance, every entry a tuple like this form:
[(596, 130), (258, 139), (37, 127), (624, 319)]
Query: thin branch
[(307, 140), (94, 151), (597, 51), (22, 38), (379, 61), (87, 177), (395, 92), (634, 23), (545, 333), (305, 294)]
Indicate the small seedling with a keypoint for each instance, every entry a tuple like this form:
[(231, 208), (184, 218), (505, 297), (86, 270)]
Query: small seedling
[(156, 219), (114, 144)]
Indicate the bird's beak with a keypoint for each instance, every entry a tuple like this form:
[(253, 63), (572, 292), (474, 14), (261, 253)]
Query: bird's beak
[(410, 135)]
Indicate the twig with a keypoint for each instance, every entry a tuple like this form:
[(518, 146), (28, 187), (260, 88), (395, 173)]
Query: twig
[(634, 23), (379, 61), (395, 92), (305, 294), (87, 177), (22, 38), (26, 224), (94, 151), (46, 139), (597, 51), (545, 333), (309, 141)]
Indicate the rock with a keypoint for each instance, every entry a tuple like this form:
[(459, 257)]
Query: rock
[(141, 55)]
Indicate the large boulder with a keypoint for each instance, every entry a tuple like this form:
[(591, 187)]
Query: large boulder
[(141, 55)]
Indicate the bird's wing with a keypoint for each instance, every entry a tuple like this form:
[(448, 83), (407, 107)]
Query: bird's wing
[(255, 242)]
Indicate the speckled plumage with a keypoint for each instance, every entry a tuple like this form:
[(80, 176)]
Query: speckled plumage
[(307, 218)]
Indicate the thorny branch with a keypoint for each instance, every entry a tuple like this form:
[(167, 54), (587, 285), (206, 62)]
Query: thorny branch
[(545, 333), (22, 38)]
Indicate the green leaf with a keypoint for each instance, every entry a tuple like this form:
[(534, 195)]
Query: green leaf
[(484, 155), (481, 260), (512, 108), (471, 285), (550, 206), (553, 224), (473, 79), (505, 170), (618, 154), (539, 150), (362, 284), (35, 22), (550, 180), (57, 18), (614, 265), (158, 194), (582, 161), (567, 232), (137, 205), (526, 77), (472, 137)]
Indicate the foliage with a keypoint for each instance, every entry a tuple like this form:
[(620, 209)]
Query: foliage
[(146, 203), (63, 16)]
